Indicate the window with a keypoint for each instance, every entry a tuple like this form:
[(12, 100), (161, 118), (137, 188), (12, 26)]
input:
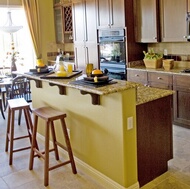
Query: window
[(22, 40)]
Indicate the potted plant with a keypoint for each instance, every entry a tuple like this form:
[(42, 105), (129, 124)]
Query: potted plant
[(152, 59)]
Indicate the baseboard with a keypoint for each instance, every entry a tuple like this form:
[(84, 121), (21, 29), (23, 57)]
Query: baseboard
[(94, 174)]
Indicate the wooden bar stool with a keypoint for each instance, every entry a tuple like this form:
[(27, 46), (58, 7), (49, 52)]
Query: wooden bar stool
[(50, 115), (13, 105)]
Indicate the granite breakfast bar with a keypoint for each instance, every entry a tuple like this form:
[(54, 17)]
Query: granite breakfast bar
[(103, 142)]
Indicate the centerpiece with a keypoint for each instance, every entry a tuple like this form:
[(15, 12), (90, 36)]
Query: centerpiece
[(152, 59)]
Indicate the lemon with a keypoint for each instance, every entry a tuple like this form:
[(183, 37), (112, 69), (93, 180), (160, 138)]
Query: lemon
[(96, 72), (40, 63), (61, 73)]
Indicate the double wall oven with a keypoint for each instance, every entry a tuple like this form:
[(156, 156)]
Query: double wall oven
[(112, 52)]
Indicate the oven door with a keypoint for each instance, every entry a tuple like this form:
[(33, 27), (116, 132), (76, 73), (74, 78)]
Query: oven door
[(112, 56)]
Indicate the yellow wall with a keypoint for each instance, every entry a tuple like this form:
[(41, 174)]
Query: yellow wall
[(98, 133)]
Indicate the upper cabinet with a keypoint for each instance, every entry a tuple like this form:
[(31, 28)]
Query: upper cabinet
[(85, 33), (160, 20), (146, 21), (63, 21), (110, 13), (173, 20)]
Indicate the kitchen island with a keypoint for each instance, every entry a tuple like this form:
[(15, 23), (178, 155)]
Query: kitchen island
[(102, 125)]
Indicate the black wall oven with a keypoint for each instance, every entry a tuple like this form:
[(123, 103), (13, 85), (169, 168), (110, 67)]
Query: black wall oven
[(112, 52)]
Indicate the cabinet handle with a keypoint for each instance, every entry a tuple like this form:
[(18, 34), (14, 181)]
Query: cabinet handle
[(159, 78), (136, 75), (154, 37)]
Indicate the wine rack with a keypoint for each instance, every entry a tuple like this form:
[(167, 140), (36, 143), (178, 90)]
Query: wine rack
[(68, 19)]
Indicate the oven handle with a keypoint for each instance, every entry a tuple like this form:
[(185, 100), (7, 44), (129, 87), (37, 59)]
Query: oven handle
[(114, 39)]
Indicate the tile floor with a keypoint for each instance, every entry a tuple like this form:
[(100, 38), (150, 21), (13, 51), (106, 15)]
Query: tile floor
[(18, 176)]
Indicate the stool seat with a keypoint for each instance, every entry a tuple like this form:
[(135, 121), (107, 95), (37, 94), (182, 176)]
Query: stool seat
[(18, 103), (21, 105), (49, 115)]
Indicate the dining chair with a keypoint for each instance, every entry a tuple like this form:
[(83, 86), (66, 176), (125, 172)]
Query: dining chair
[(18, 89)]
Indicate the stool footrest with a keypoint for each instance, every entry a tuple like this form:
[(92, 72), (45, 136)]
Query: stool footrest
[(21, 149), (59, 165), (21, 137), (61, 145)]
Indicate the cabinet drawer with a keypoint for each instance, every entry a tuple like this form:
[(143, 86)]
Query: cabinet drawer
[(160, 78), (137, 76), (181, 81)]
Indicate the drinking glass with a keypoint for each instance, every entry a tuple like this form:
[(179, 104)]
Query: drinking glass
[(89, 69)]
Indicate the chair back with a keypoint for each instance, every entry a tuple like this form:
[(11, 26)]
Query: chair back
[(18, 88)]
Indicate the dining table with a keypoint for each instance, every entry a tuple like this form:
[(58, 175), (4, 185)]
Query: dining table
[(5, 81)]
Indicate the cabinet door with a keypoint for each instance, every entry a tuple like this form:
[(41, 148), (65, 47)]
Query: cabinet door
[(86, 53), (110, 13), (85, 33), (117, 13), (58, 17), (181, 100), (103, 14), (146, 21), (78, 22), (173, 20)]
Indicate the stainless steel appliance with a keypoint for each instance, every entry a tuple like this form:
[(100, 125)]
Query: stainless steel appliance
[(112, 52)]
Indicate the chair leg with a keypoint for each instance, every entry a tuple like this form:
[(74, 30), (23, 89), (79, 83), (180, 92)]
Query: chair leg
[(1, 107), (19, 116)]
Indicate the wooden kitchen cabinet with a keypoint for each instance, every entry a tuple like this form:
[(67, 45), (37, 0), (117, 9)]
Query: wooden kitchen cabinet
[(85, 33), (63, 22), (146, 14), (110, 13), (173, 20), (137, 76), (58, 17), (160, 80), (181, 85), (154, 138)]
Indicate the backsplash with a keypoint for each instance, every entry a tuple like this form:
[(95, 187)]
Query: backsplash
[(176, 51)]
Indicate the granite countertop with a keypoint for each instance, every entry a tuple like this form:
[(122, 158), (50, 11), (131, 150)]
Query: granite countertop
[(178, 67), (118, 86), (147, 94), (144, 94)]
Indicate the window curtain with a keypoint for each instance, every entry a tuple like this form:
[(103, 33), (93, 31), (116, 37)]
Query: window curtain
[(31, 8)]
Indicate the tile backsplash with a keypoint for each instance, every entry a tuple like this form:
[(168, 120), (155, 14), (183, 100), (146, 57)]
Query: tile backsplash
[(176, 51)]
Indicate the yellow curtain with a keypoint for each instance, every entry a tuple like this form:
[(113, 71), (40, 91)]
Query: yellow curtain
[(31, 8)]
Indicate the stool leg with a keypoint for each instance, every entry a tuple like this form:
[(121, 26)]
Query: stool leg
[(46, 163), (11, 137), (29, 125), (33, 142), (8, 130), (67, 141), (54, 141)]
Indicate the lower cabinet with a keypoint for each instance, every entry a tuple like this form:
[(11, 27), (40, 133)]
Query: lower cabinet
[(177, 82), (160, 80), (137, 76), (181, 86), (154, 138)]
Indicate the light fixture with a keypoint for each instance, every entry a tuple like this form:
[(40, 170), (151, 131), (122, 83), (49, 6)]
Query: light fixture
[(9, 27)]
